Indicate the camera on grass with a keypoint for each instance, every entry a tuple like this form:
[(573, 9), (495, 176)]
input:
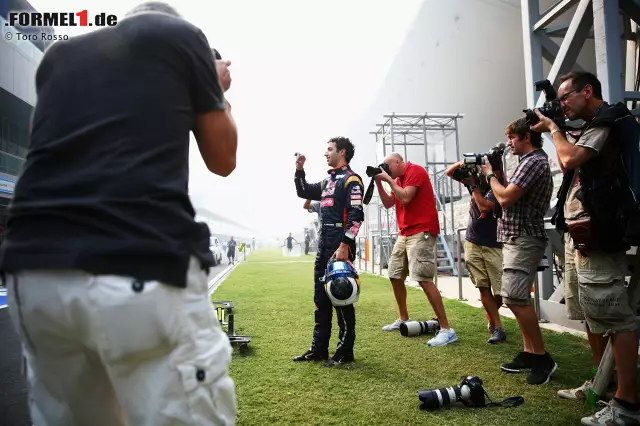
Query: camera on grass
[(417, 328), (469, 392)]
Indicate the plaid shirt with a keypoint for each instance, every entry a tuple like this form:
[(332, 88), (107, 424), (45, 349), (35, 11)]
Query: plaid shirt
[(526, 216)]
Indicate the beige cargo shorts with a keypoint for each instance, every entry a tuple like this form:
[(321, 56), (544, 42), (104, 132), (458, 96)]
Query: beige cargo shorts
[(571, 293), (521, 257), (602, 291), (414, 255), (484, 265)]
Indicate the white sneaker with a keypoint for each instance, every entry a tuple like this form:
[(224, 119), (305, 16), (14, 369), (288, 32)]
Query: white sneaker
[(578, 394), (394, 326), (444, 337), (612, 414)]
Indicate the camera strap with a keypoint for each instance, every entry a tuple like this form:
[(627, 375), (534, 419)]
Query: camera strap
[(512, 401), (369, 193)]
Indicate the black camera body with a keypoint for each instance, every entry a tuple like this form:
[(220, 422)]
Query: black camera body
[(372, 171), (469, 392), (494, 155), (551, 107), (464, 172), (472, 160)]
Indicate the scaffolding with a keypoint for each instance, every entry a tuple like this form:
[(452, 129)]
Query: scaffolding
[(430, 140), (611, 24)]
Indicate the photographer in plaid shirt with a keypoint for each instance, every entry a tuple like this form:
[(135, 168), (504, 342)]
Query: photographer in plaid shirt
[(524, 201)]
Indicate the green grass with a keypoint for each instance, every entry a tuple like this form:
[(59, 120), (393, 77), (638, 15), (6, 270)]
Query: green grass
[(275, 255), (274, 304)]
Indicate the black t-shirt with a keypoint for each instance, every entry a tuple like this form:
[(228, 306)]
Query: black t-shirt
[(289, 242), (105, 183), (482, 228)]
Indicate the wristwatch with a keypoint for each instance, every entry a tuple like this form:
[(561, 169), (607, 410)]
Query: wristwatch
[(489, 176), (554, 131)]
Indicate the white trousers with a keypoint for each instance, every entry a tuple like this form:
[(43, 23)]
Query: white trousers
[(107, 350)]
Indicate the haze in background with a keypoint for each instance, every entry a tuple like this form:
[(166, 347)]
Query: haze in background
[(302, 72)]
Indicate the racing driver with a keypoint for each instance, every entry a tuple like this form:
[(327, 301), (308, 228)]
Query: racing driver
[(340, 196)]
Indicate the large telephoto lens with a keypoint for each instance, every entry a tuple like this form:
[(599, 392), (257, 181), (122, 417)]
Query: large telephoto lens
[(438, 398)]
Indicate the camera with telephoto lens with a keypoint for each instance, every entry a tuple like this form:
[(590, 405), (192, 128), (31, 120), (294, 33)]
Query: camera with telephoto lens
[(472, 160), (469, 392), (551, 107), (373, 171), (417, 328)]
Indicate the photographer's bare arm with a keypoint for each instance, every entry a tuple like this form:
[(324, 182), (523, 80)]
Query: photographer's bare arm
[(569, 155), (404, 195), (388, 200), (452, 168), (506, 196), (216, 131), (483, 204)]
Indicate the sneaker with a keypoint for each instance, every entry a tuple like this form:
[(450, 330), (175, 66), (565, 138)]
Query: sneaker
[(577, 394), (498, 336), (338, 360), (543, 368), (310, 356), (522, 361), (444, 337), (612, 414), (394, 326)]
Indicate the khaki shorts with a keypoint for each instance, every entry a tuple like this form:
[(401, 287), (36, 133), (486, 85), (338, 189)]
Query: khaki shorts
[(571, 293), (415, 254), (108, 350), (484, 265), (520, 265), (602, 292)]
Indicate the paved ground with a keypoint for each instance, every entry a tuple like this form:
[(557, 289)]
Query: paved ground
[(13, 400), (217, 269)]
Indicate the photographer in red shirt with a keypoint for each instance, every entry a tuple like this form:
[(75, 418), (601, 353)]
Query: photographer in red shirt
[(414, 200)]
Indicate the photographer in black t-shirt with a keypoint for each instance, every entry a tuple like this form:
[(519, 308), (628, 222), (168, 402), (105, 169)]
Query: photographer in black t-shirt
[(483, 254), (111, 307)]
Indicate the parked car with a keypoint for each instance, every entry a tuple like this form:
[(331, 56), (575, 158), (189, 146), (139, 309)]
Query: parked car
[(217, 249)]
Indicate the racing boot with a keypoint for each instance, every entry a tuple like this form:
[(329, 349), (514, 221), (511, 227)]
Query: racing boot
[(311, 356), (340, 358)]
